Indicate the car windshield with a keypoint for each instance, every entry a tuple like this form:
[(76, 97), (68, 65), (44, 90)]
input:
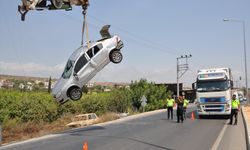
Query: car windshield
[(209, 86), (68, 69), (80, 118)]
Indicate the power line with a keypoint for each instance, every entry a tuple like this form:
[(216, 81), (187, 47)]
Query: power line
[(136, 38), (132, 36), (146, 41)]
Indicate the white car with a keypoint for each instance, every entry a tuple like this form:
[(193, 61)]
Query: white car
[(85, 63), (83, 120)]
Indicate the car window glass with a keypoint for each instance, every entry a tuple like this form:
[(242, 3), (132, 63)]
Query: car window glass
[(97, 48), (90, 52), (76, 119), (93, 116), (80, 63), (82, 118), (68, 69)]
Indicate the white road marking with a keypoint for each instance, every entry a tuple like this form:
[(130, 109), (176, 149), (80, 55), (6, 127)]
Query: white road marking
[(218, 140)]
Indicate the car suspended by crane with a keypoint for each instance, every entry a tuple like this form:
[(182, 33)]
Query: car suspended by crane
[(85, 63), (28, 5)]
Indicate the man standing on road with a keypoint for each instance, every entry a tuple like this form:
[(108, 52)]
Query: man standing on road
[(170, 105), (185, 104), (234, 111), (180, 103)]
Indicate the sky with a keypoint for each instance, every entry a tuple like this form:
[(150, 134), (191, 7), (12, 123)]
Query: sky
[(154, 33)]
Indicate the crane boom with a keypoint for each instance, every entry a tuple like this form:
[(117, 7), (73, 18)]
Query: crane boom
[(28, 5)]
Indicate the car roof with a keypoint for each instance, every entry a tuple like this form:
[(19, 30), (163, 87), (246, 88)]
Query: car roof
[(77, 53), (84, 114), (82, 49)]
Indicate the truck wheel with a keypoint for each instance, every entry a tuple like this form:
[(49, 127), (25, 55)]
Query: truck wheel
[(75, 94), (115, 56), (57, 3), (201, 116)]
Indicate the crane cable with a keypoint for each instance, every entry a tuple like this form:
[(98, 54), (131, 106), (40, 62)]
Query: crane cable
[(85, 27)]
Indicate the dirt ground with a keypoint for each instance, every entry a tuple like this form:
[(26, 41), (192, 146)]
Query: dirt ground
[(31, 130)]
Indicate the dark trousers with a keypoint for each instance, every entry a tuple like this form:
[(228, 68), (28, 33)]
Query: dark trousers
[(170, 111), (234, 113), (179, 114), (184, 112)]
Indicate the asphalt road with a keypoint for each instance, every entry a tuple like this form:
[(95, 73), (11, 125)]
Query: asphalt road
[(151, 131)]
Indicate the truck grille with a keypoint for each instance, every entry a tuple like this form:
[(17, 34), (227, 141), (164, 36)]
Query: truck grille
[(212, 100), (213, 108)]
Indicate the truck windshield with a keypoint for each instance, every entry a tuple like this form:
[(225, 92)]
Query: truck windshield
[(209, 86), (68, 69)]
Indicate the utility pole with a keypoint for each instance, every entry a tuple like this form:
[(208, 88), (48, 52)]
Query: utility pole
[(181, 70), (245, 51)]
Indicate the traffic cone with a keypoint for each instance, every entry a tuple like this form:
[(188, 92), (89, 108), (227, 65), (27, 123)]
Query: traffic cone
[(85, 146), (192, 116)]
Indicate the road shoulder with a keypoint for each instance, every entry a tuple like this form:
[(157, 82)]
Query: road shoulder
[(246, 119)]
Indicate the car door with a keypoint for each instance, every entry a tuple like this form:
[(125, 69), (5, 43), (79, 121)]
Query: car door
[(100, 57), (83, 69), (90, 54), (94, 54), (98, 53)]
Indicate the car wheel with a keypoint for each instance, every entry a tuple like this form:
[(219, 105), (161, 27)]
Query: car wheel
[(115, 56), (75, 94), (201, 117), (57, 3)]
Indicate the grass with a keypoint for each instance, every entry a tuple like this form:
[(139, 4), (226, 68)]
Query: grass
[(109, 116), (24, 131), (19, 132)]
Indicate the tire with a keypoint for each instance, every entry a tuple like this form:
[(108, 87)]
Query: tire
[(57, 3), (115, 56), (201, 117), (75, 94)]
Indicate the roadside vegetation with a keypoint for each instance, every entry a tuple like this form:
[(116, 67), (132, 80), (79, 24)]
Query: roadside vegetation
[(29, 114)]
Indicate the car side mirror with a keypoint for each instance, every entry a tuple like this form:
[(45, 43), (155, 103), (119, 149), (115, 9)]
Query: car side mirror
[(231, 84), (194, 86)]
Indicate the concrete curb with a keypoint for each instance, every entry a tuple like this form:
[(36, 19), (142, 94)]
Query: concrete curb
[(247, 129)]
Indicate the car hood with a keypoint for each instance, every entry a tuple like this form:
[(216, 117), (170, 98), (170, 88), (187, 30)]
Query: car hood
[(59, 85)]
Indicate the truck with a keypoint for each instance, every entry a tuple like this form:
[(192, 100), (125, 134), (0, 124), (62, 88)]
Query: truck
[(214, 92)]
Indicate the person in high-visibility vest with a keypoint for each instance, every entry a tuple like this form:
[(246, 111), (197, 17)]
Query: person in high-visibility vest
[(185, 104), (170, 105), (235, 107)]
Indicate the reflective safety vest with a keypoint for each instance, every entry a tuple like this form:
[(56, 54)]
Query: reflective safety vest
[(235, 104), (186, 102), (170, 102)]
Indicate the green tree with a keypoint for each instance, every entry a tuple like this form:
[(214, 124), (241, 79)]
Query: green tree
[(49, 86), (85, 89), (119, 100), (155, 94), (41, 84)]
